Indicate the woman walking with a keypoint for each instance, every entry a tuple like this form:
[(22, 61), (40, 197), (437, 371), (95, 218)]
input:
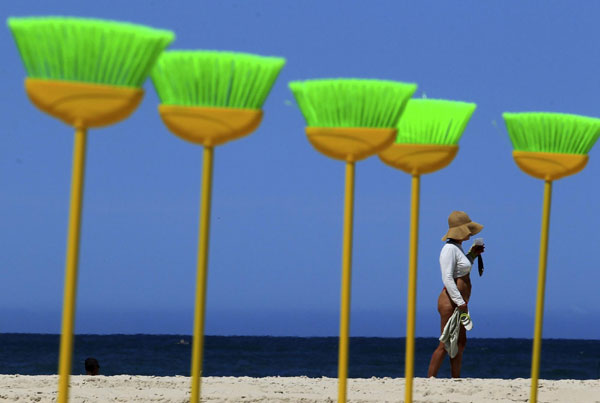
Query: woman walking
[(455, 266)]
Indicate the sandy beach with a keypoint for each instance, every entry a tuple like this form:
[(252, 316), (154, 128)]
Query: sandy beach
[(125, 388)]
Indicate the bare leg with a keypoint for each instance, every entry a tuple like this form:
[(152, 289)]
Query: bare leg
[(456, 362), (445, 308), (437, 358)]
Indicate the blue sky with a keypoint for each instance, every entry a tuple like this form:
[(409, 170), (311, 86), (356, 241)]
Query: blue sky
[(275, 255)]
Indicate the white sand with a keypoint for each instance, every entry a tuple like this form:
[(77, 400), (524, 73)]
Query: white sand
[(125, 388)]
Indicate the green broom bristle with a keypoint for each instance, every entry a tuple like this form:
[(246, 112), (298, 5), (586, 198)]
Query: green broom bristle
[(434, 121), (352, 102), (212, 78), (552, 132), (88, 50)]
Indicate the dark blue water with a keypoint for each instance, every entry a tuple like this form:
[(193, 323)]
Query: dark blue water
[(36, 354)]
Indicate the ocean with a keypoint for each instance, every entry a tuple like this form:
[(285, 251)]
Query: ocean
[(169, 355)]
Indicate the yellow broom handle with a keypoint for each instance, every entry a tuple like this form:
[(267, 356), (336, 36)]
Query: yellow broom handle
[(412, 290), (70, 292), (198, 343), (541, 286), (346, 283)]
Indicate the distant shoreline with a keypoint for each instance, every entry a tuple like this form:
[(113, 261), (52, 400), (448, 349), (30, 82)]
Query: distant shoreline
[(290, 337)]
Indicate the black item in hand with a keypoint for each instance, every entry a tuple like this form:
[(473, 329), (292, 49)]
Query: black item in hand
[(480, 265)]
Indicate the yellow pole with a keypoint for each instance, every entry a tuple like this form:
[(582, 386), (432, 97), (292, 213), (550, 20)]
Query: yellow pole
[(541, 286), (198, 343), (70, 292), (412, 290), (346, 283)]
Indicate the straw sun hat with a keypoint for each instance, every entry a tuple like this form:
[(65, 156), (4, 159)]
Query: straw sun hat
[(460, 225)]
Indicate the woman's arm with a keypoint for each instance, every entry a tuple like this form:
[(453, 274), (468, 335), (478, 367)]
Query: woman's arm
[(447, 264)]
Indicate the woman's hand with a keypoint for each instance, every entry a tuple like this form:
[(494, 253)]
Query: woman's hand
[(463, 308), (477, 250)]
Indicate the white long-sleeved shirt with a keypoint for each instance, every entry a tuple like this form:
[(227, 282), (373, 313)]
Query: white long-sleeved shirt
[(454, 264)]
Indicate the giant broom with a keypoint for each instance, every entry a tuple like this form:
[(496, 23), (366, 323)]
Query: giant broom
[(210, 98), (427, 141), (548, 146), (87, 73), (350, 120)]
